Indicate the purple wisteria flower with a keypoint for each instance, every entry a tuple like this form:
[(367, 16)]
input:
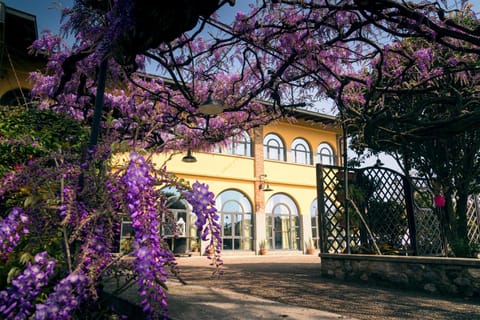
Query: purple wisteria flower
[(203, 203), (65, 298), (11, 229), (16, 302), (151, 256)]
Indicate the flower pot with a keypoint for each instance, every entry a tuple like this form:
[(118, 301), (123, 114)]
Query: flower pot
[(311, 250), (262, 251), (211, 252)]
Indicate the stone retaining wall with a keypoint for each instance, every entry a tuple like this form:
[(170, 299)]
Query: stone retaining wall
[(450, 276)]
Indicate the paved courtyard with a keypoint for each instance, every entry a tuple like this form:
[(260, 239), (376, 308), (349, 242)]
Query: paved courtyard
[(268, 287)]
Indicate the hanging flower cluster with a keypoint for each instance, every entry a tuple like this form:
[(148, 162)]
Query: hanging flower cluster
[(17, 301), (67, 296), (151, 256), (203, 203), (11, 229)]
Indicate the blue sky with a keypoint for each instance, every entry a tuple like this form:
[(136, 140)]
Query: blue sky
[(48, 12)]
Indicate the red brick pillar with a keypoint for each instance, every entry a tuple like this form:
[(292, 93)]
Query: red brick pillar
[(259, 195), (258, 168)]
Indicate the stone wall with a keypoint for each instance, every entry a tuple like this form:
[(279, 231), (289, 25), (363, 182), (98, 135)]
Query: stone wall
[(448, 276)]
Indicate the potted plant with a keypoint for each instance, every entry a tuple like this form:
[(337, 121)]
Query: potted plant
[(263, 247), (195, 246), (311, 246)]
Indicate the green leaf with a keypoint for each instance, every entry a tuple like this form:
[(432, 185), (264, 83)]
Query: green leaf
[(12, 274), (26, 257)]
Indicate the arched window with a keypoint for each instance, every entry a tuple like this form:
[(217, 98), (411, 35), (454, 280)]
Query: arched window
[(15, 97), (301, 151), (274, 148), (325, 154), (235, 212), (282, 222), (240, 145), (178, 227)]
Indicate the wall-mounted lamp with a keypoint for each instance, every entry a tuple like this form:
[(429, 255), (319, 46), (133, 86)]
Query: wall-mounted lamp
[(210, 107), (189, 158), (264, 186)]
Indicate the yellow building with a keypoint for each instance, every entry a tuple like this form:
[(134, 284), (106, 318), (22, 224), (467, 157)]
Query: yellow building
[(18, 30), (264, 180)]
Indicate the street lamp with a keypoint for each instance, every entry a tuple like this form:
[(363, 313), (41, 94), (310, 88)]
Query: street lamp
[(210, 107), (189, 158)]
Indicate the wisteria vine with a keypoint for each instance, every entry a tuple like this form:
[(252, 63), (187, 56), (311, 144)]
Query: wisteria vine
[(150, 256), (11, 230), (203, 203), (17, 301)]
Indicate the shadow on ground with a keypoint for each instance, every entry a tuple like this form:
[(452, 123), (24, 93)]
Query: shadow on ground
[(301, 284)]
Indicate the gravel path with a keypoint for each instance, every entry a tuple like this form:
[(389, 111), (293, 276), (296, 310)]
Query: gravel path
[(296, 280)]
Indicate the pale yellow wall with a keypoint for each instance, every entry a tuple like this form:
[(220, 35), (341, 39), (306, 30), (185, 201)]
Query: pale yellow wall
[(222, 171), (219, 171), (298, 181), (15, 75), (9, 82)]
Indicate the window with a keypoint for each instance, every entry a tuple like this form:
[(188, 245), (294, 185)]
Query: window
[(178, 227), (274, 148), (240, 145), (325, 154), (301, 151), (282, 222), (314, 219), (235, 212)]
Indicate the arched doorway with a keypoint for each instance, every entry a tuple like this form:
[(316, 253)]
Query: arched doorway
[(177, 228), (235, 212), (283, 223)]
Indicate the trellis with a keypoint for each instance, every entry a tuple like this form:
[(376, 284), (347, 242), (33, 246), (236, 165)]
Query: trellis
[(473, 219), (387, 217)]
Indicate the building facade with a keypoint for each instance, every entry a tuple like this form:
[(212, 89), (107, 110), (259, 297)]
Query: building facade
[(264, 182)]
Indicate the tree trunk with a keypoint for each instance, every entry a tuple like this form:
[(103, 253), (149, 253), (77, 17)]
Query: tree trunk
[(462, 245)]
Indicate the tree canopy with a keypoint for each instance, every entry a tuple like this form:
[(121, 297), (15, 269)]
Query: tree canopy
[(288, 53), (280, 55)]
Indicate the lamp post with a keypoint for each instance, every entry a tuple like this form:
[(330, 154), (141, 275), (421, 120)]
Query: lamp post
[(211, 107), (189, 158)]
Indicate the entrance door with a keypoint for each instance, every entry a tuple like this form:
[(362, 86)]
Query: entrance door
[(283, 228), (236, 220)]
